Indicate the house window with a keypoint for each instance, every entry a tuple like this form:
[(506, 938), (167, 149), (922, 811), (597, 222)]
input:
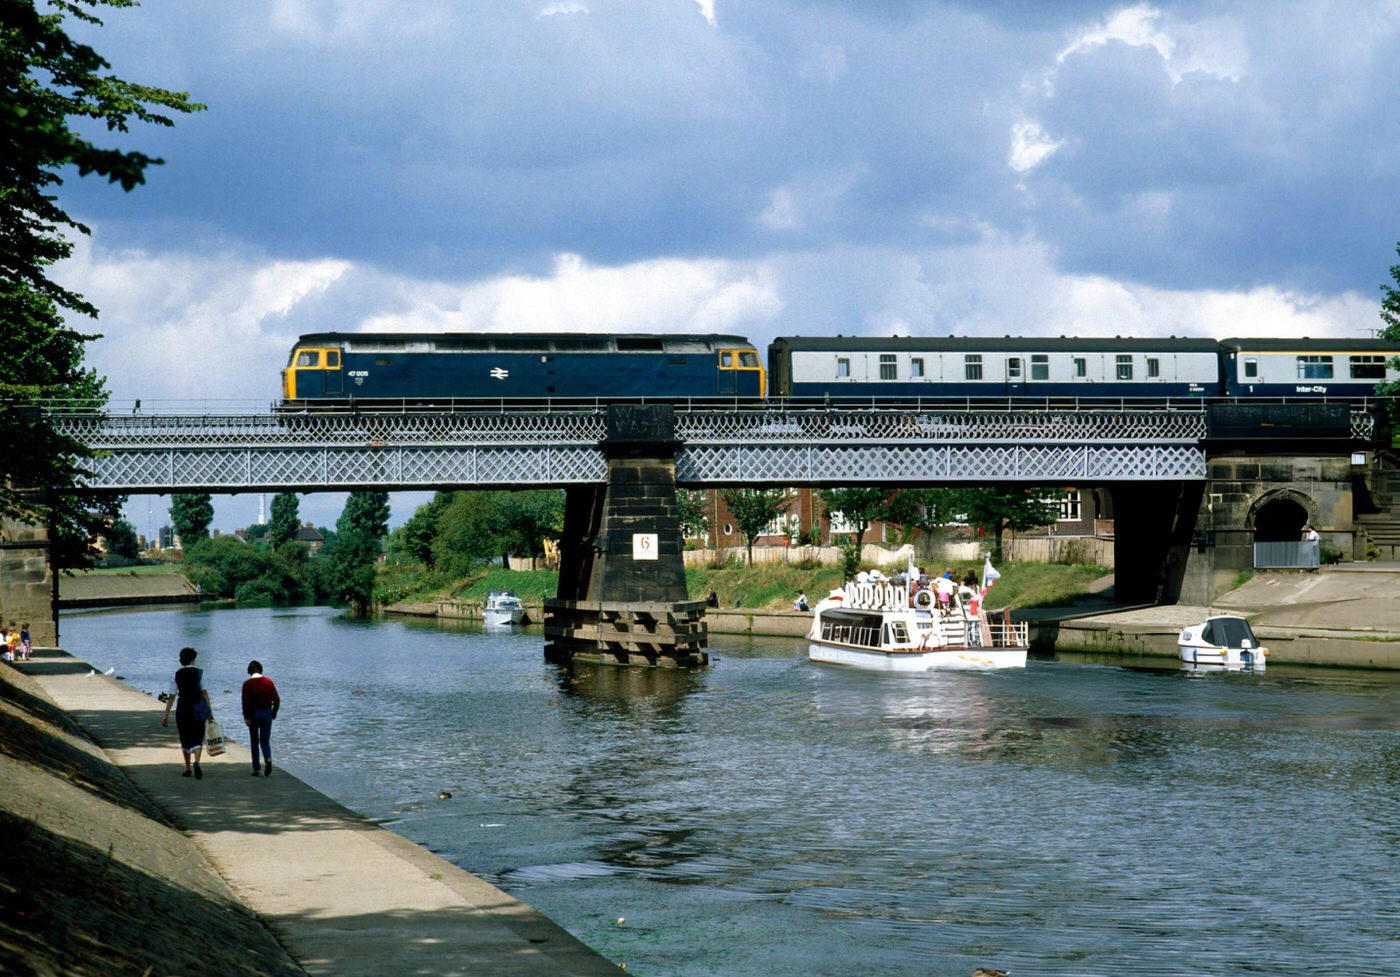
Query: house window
[(839, 523), (916, 366), (1368, 367), (972, 366), (1069, 507), (1081, 367), (1314, 368), (889, 370), (1154, 367), (1013, 368), (843, 366), (1251, 368), (1040, 367), (1124, 367)]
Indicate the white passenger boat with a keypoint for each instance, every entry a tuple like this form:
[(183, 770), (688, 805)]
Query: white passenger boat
[(891, 626), (1220, 643), (503, 609)]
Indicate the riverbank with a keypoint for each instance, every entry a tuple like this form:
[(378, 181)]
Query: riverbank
[(114, 863)]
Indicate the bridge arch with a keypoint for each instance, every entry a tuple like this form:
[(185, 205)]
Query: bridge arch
[(1279, 515)]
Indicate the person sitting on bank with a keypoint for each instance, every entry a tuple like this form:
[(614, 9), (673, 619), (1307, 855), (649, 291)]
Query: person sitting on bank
[(713, 599), (801, 603)]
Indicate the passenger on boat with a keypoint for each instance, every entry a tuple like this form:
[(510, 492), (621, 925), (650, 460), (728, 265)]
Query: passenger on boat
[(945, 587)]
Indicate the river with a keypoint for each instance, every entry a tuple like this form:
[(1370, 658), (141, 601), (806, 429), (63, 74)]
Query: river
[(768, 816)]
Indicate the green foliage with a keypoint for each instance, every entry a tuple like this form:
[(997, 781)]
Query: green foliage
[(478, 526), (121, 540), (284, 520), (344, 571), (754, 509), (1388, 427), (47, 81), (858, 506), (850, 559), (1000, 508), (227, 567), (413, 541), (691, 513), (191, 514)]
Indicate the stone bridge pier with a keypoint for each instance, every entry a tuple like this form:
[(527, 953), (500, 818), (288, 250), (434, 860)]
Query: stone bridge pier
[(622, 596), (27, 588)]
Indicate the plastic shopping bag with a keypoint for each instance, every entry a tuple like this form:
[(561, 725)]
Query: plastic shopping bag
[(213, 738)]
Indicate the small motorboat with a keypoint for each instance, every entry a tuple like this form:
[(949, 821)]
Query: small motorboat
[(503, 609), (893, 626), (1220, 643)]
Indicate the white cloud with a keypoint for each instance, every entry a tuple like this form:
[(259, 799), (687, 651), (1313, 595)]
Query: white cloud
[(1030, 146), (561, 8), (707, 10), (1213, 46)]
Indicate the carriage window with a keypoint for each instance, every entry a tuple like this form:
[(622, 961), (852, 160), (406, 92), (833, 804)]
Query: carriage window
[(1368, 367), (916, 366), (308, 359), (843, 366), (726, 360), (748, 359), (972, 366), (333, 358), (1314, 368), (1040, 367), (1013, 368), (1125, 367), (889, 370), (1154, 367), (1081, 366), (1251, 368)]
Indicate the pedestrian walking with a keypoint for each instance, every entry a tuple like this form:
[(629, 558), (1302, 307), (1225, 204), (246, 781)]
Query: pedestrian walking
[(261, 704), (190, 700), (26, 646)]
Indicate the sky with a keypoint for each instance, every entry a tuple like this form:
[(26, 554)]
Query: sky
[(765, 168)]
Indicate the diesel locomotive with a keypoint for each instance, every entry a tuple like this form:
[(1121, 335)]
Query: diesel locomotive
[(436, 370)]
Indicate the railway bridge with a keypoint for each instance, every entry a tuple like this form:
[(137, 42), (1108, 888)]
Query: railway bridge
[(619, 466)]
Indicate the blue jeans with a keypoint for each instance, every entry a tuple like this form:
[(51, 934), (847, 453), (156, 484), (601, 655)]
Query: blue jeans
[(260, 732)]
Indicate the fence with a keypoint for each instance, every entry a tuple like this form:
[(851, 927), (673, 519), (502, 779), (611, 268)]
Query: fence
[(1287, 554)]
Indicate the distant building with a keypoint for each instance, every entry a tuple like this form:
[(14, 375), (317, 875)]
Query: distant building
[(311, 536)]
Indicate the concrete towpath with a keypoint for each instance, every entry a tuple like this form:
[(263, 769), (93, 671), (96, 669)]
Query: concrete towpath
[(342, 895)]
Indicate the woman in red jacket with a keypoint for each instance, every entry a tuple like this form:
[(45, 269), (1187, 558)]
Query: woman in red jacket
[(260, 705)]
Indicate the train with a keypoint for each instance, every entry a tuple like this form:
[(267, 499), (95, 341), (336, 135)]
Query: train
[(462, 370)]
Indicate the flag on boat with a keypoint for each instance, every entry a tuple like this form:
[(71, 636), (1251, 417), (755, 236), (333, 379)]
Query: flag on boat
[(989, 576)]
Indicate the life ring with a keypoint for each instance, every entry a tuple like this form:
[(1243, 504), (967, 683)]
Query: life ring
[(923, 599)]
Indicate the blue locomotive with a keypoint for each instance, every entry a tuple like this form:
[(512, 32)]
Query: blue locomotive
[(434, 370), (441, 369)]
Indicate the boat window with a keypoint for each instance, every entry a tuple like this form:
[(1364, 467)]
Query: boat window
[(899, 632), (889, 369), (972, 366), (1233, 632), (749, 359), (308, 358), (1040, 366), (1125, 367), (1368, 367), (1314, 368)]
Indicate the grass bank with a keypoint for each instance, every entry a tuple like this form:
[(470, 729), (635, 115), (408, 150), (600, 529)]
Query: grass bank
[(767, 586)]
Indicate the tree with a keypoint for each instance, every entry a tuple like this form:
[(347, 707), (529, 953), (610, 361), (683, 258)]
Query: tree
[(1000, 508), (927, 509), (859, 506), (121, 540), (1390, 315), (413, 541), (348, 559), (525, 519), (46, 80), (754, 510), (285, 520), (691, 512), (191, 514)]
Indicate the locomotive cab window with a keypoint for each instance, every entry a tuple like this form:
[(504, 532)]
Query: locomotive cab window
[(1124, 367), (1314, 368), (1368, 367), (726, 360), (748, 360), (308, 357), (333, 359)]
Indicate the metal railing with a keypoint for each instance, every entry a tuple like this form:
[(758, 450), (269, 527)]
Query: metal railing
[(1287, 554)]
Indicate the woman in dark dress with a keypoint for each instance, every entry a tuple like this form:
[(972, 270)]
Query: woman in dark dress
[(192, 710)]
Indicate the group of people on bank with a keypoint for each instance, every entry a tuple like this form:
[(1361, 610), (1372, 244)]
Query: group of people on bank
[(18, 647), (188, 698)]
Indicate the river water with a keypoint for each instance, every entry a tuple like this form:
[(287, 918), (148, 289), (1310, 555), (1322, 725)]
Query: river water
[(768, 816)]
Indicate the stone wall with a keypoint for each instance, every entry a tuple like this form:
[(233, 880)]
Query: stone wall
[(26, 582)]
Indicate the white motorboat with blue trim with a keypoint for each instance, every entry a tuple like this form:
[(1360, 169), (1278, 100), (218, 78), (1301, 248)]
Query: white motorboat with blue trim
[(503, 609), (890, 626), (1222, 642)]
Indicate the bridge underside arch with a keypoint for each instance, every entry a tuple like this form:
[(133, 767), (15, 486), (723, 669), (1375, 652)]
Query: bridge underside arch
[(1280, 515)]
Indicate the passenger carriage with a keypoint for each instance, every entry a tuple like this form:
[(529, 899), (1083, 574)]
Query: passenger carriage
[(993, 368), (1307, 368)]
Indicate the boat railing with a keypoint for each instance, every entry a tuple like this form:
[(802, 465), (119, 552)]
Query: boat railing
[(851, 634), (1007, 634)]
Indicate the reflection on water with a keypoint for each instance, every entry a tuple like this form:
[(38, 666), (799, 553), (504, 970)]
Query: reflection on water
[(768, 816)]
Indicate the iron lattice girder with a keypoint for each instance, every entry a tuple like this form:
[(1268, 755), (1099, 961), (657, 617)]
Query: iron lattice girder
[(335, 451)]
